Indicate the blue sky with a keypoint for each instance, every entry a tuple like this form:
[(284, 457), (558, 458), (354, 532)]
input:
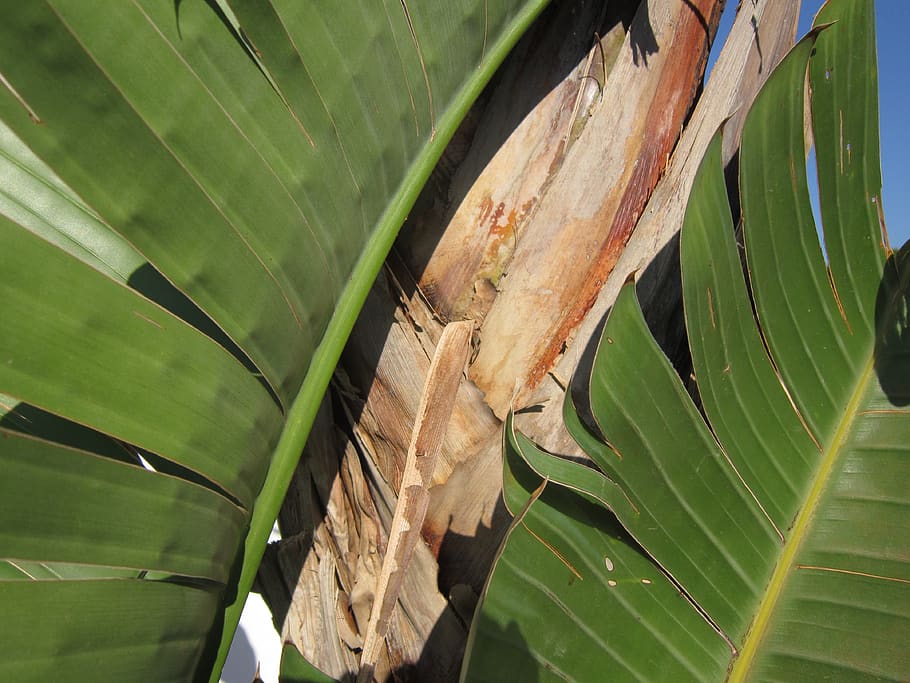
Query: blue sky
[(892, 17)]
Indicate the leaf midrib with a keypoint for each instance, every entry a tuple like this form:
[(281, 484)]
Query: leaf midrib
[(742, 664)]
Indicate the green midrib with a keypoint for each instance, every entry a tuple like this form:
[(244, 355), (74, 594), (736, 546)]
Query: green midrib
[(742, 664)]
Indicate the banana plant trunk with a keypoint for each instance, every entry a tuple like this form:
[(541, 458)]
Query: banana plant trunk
[(569, 175)]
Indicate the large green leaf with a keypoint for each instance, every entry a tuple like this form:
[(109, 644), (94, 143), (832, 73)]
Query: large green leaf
[(108, 626), (296, 669), (759, 535), (196, 197)]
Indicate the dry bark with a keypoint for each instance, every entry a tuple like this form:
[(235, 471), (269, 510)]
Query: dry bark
[(570, 173), (436, 404)]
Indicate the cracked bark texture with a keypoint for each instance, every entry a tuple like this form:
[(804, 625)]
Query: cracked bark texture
[(570, 173)]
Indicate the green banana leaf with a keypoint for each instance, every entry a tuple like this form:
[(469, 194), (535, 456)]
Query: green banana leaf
[(196, 196), (296, 669), (762, 533)]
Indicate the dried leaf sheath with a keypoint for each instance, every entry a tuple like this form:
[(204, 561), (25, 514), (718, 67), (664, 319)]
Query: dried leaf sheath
[(436, 405)]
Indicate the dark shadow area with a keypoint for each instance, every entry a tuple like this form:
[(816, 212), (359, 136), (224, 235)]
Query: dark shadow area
[(731, 178), (892, 323), (455, 546), (28, 419), (303, 509), (698, 16), (641, 35), (594, 516), (761, 57), (496, 664), (659, 291), (175, 469), (154, 286), (570, 503), (368, 338), (237, 34), (440, 659), (566, 502)]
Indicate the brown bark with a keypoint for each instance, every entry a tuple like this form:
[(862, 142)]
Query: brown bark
[(557, 187)]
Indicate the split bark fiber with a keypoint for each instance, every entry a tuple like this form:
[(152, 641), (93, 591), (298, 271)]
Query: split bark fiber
[(436, 405)]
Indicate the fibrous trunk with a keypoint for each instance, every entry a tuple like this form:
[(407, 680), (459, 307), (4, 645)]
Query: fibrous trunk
[(569, 174)]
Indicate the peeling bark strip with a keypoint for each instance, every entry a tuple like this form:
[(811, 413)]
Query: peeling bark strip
[(664, 117), (436, 405), (579, 229)]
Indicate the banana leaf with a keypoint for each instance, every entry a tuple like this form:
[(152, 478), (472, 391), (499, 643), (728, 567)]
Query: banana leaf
[(195, 199), (760, 532)]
